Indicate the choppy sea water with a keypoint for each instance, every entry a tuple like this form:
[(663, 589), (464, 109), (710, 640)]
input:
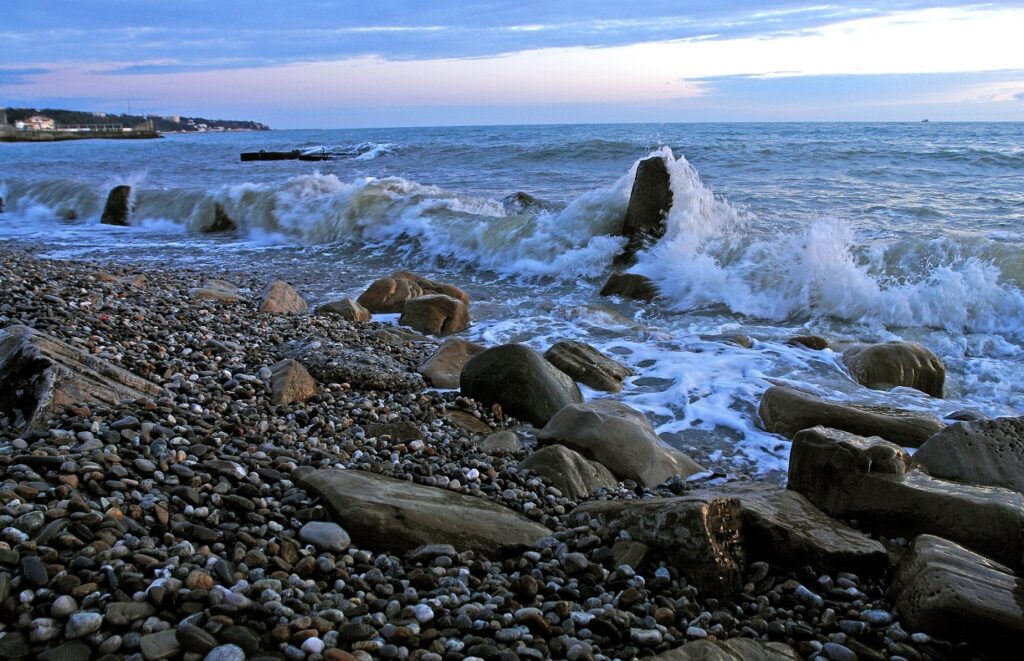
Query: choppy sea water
[(859, 232)]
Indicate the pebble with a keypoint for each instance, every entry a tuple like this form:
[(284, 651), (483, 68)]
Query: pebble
[(225, 653)]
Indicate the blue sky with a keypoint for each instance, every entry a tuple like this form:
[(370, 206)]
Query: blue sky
[(385, 63)]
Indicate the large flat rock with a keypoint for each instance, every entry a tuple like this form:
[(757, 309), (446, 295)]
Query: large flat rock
[(733, 649), (383, 513), (40, 375), (364, 368), (946, 590), (787, 411), (983, 452)]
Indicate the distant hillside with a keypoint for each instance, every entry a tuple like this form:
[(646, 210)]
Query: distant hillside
[(162, 124)]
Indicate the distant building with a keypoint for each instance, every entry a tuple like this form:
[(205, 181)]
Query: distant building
[(99, 114), (174, 119), (40, 123), (3, 116)]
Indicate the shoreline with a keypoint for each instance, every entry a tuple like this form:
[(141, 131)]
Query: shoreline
[(63, 136), (188, 521)]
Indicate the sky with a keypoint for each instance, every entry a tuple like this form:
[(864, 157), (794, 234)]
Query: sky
[(320, 64)]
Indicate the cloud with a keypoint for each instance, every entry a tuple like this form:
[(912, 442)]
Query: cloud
[(1019, 96), (19, 76)]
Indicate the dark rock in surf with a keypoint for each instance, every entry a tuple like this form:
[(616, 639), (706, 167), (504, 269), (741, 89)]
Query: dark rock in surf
[(812, 342), (118, 206), (519, 203), (649, 203), (886, 366), (630, 285), (521, 381), (222, 222), (588, 365), (435, 314)]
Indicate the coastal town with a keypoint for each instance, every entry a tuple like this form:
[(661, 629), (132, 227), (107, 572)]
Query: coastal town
[(50, 125)]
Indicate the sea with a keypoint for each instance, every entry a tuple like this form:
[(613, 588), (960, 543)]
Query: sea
[(859, 232)]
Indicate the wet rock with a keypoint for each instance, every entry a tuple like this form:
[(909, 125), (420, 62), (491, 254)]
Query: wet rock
[(432, 287), (986, 452), (502, 440), (587, 365), (886, 366), (345, 308), (290, 382), (521, 381), (619, 437), (222, 222), (34, 571), (787, 411), (388, 295), (867, 479), (398, 516), (161, 645), (435, 314), (519, 203), (325, 536), (699, 535), (946, 590), (226, 653), (281, 298), (443, 367), (40, 375), (123, 613), (733, 649), (630, 285), (568, 471), (82, 624), (118, 207), (813, 342), (649, 204), (785, 528)]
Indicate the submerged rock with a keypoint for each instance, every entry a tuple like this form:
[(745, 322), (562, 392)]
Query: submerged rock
[(588, 365), (649, 204), (118, 207), (443, 367), (985, 452), (40, 375), (886, 366), (813, 342), (435, 314), (521, 381), (399, 516), (630, 285), (519, 203), (787, 411), (619, 437)]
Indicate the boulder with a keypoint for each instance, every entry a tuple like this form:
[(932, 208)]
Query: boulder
[(519, 203), (345, 308), (869, 479), (432, 287), (786, 411), (503, 440), (619, 437), (281, 298), (813, 342), (886, 366), (388, 295), (404, 430), (521, 381), (221, 285), (221, 221), (290, 382), (588, 365), (435, 314), (649, 204), (443, 367), (630, 285), (569, 472), (40, 375), (118, 207), (736, 339), (218, 295), (733, 649), (784, 528), (698, 534), (984, 452), (946, 590), (385, 514), (362, 367)]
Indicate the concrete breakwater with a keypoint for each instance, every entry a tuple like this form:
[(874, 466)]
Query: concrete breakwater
[(13, 135)]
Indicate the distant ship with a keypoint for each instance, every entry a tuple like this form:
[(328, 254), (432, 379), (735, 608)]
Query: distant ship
[(924, 120)]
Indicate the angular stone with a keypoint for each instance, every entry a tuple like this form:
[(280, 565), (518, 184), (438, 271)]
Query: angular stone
[(161, 645), (388, 295), (787, 411), (383, 513), (886, 366), (72, 651), (944, 589), (41, 375), (866, 479), (290, 382), (984, 452), (630, 285), (733, 649), (432, 287), (123, 613), (521, 381), (569, 471), (443, 367), (404, 430), (468, 422), (118, 207), (649, 204), (325, 536), (435, 314), (281, 298), (619, 437), (588, 365), (364, 368), (698, 534), (786, 529), (345, 308)]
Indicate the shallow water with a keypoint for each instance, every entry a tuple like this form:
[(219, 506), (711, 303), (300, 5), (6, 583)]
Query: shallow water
[(859, 232)]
